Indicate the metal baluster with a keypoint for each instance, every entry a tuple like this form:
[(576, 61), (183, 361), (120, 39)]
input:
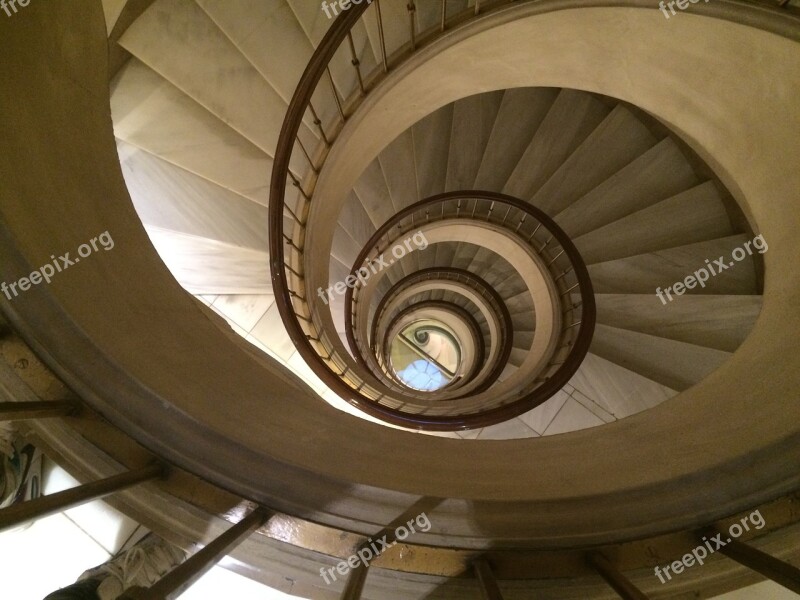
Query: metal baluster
[(355, 62), (569, 289), (296, 183), (336, 95), (381, 36), (488, 584), (307, 155), (291, 243), (562, 274), (614, 577), (294, 216), (411, 10), (780, 572), (182, 577), (318, 123), (292, 270), (555, 257), (44, 506)]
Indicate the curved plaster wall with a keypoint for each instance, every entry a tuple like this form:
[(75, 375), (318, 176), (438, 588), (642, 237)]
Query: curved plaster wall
[(123, 334)]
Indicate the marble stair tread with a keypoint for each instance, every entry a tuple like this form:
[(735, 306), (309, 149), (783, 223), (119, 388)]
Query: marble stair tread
[(644, 273), (205, 266), (522, 111), (615, 143), (657, 174), (617, 390), (677, 365), (245, 310), (178, 40), (431, 149), (373, 193), (719, 322), (508, 430), (695, 215), (169, 197), (399, 170), (573, 116), (355, 220), (154, 115), (473, 120)]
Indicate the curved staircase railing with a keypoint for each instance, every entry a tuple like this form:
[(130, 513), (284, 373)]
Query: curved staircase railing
[(368, 391), (531, 227), (457, 276), (288, 216)]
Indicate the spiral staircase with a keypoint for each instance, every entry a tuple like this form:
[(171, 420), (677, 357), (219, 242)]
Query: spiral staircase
[(277, 160)]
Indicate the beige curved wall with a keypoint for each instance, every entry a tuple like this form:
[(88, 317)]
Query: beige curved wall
[(125, 336)]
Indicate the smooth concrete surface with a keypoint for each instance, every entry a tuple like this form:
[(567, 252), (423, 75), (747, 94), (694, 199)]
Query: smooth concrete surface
[(124, 335)]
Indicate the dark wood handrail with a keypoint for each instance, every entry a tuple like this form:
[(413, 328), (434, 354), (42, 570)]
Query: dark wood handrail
[(549, 224), (464, 316), (472, 281), (316, 69)]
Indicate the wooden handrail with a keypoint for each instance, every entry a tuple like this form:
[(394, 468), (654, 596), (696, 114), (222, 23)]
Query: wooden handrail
[(316, 69), (464, 316), (588, 311), (473, 281)]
